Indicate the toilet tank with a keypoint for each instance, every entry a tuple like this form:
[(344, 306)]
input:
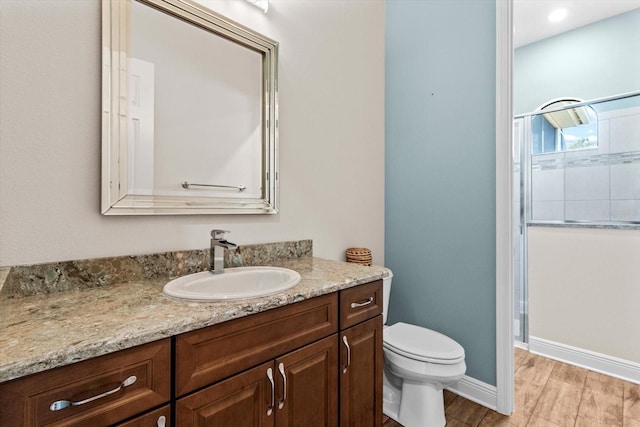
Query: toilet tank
[(386, 291)]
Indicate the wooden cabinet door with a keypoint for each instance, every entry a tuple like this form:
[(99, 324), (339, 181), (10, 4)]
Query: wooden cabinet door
[(307, 384), (244, 400), (361, 374)]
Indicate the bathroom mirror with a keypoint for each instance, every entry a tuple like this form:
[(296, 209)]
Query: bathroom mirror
[(189, 112)]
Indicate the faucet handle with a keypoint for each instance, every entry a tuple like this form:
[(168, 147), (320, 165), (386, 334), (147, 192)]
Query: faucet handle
[(218, 234)]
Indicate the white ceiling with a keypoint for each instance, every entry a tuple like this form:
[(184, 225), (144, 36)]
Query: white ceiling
[(530, 16)]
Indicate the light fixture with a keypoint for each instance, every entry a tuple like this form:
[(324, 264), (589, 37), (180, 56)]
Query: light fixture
[(557, 15), (262, 4)]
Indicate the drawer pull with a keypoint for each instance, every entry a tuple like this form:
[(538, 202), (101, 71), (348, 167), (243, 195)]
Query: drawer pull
[(362, 304), (273, 392), (162, 421), (346, 344), (61, 404), (284, 385)]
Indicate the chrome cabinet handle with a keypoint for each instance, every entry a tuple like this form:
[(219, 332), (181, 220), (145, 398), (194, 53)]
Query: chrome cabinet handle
[(346, 344), (273, 392), (162, 421), (61, 404), (361, 304), (284, 385)]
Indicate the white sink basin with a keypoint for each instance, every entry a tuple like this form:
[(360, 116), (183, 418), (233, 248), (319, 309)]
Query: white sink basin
[(233, 283)]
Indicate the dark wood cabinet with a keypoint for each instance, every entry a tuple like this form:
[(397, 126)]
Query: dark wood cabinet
[(296, 383), (97, 392), (361, 358), (317, 362), (296, 389), (361, 365), (333, 381), (207, 355), (242, 400), (360, 303), (307, 384)]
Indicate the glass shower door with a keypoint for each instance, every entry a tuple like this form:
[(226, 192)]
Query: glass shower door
[(519, 234)]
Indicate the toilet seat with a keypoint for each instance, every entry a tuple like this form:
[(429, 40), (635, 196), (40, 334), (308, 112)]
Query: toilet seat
[(422, 344)]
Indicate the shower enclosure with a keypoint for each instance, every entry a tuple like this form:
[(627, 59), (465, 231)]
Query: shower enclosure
[(575, 164), (519, 237)]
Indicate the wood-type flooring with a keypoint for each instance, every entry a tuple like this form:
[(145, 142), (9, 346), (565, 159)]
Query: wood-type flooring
[(549, 393)]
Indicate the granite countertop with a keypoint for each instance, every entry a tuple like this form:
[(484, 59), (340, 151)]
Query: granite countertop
[(43, 332)]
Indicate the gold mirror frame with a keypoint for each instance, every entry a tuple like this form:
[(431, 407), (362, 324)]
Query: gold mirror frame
[(115, 42)]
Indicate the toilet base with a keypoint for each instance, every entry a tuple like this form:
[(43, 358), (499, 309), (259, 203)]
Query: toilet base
[(390, 399), (422, 405), (415, 404)]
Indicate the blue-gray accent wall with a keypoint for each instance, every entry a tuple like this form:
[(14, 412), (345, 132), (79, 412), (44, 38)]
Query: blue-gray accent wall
[(594, 61), (440, 202)]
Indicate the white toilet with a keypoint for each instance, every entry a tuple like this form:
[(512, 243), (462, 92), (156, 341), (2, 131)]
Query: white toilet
[(418, 364)]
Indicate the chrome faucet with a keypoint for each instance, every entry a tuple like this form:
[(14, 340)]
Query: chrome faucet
[(218, 245)]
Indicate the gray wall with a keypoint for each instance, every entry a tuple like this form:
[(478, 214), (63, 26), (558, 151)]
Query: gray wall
[(440, 171), (593, 61)]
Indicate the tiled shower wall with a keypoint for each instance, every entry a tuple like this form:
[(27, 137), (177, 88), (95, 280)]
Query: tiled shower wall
[(600, 184)]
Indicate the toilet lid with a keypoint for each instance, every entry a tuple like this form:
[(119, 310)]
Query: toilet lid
[(422, 344)]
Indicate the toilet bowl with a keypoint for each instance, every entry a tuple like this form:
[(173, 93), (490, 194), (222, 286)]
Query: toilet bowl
[(418, 364)]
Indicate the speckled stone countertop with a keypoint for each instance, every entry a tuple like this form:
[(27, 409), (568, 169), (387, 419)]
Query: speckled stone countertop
[(46, 331)]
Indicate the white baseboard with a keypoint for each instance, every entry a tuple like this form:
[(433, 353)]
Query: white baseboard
[(476, 391), (598, 362), (521, 345)]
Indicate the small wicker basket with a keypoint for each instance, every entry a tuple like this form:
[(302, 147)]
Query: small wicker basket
[(359, 256)]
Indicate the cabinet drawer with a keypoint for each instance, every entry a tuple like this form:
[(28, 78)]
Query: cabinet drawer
[(360, 303), (27, 401), (211, 354)]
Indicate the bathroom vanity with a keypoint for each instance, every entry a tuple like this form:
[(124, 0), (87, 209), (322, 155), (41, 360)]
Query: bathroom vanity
[(312, 356)]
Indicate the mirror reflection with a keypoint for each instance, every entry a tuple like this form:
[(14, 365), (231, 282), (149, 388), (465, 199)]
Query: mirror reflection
[(196, 104)]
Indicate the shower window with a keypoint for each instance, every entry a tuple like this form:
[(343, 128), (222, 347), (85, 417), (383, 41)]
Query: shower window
[(565, 129), (583, 162)]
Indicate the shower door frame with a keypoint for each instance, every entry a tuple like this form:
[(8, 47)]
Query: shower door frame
[(524, 214)]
